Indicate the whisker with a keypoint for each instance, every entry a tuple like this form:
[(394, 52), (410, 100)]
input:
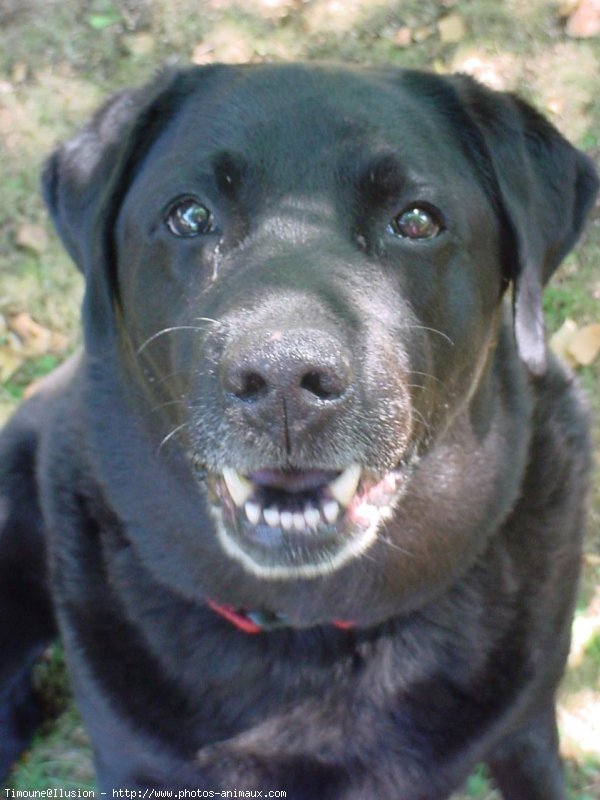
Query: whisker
[(170, 375), (171, 330), (395, 546), (168, 403), (420, 416), (170, 435), (431, 330), (207, 319), (427, 375), (367, 556)]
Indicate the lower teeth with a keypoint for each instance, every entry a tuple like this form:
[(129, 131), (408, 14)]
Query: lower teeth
[(286, 519), (253, 512), (331, 510), (299, 522), (302, 510), (271, 516), (311, 517)]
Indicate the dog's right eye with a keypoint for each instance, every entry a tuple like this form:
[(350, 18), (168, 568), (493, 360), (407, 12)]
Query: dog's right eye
[(418, 221), (188, 217)]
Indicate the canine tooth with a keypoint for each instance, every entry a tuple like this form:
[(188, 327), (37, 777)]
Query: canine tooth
[(331, 509), (299, 521), (271, 516), (239, 488), (343, 488), (286, 519), (253, 512), (312, 516)]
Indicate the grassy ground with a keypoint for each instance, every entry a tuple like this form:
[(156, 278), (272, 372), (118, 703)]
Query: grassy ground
[(59, 57)]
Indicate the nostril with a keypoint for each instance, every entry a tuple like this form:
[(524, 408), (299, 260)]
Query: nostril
[(253, 384), (310, 371), (323, 385), (247, 384)]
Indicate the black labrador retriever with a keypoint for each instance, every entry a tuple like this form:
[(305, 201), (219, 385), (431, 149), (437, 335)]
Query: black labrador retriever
[(310, 503)]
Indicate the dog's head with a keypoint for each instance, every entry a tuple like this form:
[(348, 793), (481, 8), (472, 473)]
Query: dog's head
[(300, 270)]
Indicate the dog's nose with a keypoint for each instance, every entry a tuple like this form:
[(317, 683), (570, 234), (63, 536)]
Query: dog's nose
[(287, 381)]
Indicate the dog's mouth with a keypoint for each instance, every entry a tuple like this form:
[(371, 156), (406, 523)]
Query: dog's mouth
[(283, 524)]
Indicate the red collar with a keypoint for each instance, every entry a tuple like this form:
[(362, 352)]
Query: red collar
[(259, 621)]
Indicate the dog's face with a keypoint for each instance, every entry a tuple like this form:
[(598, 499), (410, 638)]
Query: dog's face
[(305, 271), (328, 287)]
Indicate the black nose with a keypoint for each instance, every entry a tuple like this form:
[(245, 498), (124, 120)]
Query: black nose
[(287, 382)]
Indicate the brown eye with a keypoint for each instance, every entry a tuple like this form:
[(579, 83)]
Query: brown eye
[(187, 217), (416, 222)]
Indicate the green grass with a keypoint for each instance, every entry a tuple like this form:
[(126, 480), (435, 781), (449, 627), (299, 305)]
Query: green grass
[(32, 370), (59, 759)]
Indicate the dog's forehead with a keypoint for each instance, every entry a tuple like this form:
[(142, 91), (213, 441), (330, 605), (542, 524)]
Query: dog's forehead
[(317, 113)]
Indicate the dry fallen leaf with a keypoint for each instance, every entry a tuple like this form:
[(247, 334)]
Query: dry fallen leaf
[(140, 44), (403, 37), (584, 347), (584, 21), (226, 43), (35, 339), (203, 54), (559, 341), (578, 346), (32, 237), (452, 29), (567, 7)]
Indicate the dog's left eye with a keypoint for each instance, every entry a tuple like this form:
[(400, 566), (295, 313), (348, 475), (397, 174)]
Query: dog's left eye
[(188, 217), (416, 222)]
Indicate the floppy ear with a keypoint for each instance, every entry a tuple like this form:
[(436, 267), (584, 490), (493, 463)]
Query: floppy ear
[(85, 180), (545, 190), (76, 175)]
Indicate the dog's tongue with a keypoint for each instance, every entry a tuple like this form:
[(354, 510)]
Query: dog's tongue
[(292, 480)]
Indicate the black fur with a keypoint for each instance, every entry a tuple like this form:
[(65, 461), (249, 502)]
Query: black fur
[(302, 334)]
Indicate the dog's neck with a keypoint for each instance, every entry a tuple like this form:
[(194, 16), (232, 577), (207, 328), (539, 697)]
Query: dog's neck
[(259, 621)]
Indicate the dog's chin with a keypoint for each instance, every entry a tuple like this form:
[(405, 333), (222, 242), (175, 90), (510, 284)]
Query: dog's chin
[(289, 524)]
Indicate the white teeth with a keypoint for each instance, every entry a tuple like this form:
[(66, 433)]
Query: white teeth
[(312, 516), (331, 510), (343, 488), (286, 519), (271, 516), (299, 521), (239, 488), (253, 512)]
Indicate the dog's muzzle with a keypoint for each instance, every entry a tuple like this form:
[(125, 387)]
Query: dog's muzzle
[(289, 388), (300, 524)]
